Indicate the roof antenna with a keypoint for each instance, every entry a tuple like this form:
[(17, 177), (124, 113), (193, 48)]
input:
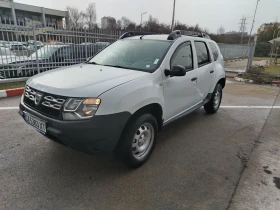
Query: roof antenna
[(142, 36)]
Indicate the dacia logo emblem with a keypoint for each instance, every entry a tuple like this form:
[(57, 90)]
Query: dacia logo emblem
[(38, 98)]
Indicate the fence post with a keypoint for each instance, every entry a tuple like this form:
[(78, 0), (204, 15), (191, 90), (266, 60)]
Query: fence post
[(36, 50), (86, 43)]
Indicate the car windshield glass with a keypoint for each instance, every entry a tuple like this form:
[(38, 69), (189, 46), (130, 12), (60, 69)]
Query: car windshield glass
[(44, 52), (144, 55)]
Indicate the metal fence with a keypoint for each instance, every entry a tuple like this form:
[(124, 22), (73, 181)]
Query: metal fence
[(26, 51), (234, 50)]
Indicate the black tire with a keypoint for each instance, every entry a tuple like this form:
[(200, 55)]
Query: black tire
[(124, 150), (212, 106)]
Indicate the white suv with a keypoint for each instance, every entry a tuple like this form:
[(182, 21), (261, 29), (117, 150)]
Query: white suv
[(121, 97)]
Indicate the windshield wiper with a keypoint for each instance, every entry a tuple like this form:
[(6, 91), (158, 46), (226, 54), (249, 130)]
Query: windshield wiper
[(116, 66)]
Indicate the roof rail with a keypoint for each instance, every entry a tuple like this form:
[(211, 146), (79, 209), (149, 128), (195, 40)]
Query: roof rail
[(178, 33), (134, 33)]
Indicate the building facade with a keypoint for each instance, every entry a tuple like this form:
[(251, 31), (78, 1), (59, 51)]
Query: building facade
[(13, 13), (264, 26), (108, 23)]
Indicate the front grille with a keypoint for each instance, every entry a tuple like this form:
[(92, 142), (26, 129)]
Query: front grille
[(45, 103)]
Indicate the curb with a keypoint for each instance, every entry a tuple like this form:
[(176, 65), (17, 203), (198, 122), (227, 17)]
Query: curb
[(229, 61), (11, 92), (243, 80)]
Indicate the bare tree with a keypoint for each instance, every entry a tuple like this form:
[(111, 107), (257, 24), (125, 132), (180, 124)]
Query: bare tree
[(126, 22), (76, 18), (90, 15), (180, 26), (152, 24), (119, 25)]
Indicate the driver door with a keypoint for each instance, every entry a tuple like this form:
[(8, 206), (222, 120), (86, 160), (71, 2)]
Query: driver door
[(180, 93)]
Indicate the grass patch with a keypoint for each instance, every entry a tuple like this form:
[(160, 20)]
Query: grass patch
[(259, 75), (266, 59), (12, 85), (275, 70), (262, 58)]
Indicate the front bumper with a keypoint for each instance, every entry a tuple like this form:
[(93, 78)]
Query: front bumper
[(98, 134)]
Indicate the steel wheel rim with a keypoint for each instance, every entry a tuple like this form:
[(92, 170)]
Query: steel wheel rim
[(143, 141), (217, 99)]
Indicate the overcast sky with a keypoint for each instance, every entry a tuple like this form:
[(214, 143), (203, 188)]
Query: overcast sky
[(210, 14)]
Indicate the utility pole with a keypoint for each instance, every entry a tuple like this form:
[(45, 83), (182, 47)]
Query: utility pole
[(173, 16), (243, 27), (251, 53), (253, 22)]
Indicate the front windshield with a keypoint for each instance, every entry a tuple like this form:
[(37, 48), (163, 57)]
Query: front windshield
[(135, 54), (45, 52)]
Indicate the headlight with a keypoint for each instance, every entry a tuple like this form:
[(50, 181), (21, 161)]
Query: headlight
[(78, 109)]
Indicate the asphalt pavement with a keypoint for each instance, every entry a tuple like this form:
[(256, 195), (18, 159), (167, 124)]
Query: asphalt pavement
[(198, 163)]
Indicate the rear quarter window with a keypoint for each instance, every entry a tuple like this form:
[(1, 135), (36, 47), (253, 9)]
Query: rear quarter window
[(215, 51)]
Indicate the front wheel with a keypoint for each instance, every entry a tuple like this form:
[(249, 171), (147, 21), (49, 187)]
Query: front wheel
[(213, 105), (137, 143)]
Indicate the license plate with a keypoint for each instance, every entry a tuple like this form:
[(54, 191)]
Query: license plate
[(35, 122)]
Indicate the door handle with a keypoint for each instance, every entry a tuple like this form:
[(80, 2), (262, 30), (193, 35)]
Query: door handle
[(212, 71), (194, 79)]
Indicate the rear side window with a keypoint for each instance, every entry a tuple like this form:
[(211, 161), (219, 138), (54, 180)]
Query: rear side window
[(183, 56), (215, 51), (202, 52)]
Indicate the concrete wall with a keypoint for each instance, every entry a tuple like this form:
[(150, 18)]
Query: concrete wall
[(234, 50)]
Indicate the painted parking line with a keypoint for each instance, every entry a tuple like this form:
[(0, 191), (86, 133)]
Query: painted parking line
[(250, 107), (9, 108), (223, 107)]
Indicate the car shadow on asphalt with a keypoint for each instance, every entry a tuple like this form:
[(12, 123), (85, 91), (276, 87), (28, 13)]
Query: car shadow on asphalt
[(64, 158)]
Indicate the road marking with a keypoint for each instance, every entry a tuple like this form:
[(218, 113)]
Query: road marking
[(9, 108), (223, 107), (250, 107)]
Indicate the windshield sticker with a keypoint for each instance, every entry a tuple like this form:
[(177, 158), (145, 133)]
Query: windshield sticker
[(156, 61), (148, 66)]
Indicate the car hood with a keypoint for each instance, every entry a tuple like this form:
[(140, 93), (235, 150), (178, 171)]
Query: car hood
[(83, 80)]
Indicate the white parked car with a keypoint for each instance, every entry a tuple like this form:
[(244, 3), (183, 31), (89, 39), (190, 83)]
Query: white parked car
[(122, 97)]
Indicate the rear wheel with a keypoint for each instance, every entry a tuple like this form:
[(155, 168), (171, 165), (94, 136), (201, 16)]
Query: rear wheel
[(137, 143), (214, 104)]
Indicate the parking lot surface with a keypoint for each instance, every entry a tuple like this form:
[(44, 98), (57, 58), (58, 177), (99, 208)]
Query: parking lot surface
[(198, 162)]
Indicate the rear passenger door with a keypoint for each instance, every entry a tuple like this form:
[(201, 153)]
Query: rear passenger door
[(205, 69)]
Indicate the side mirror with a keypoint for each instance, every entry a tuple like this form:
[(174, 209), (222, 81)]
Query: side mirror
[(177, 71)]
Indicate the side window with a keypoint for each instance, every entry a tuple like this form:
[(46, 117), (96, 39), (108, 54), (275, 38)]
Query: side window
[(214, 50), (183, 56), (202, 52)]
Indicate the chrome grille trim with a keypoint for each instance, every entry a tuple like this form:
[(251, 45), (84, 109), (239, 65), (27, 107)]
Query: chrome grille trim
[(45, 103), (31, 97), (55, 100), (54, 106)]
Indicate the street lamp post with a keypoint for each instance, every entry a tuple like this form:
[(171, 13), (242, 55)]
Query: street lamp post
[(173, 16), (253, 21), (142, 20)]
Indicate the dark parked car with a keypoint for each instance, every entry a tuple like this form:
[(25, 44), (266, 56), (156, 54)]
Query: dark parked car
[(49, 57)]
